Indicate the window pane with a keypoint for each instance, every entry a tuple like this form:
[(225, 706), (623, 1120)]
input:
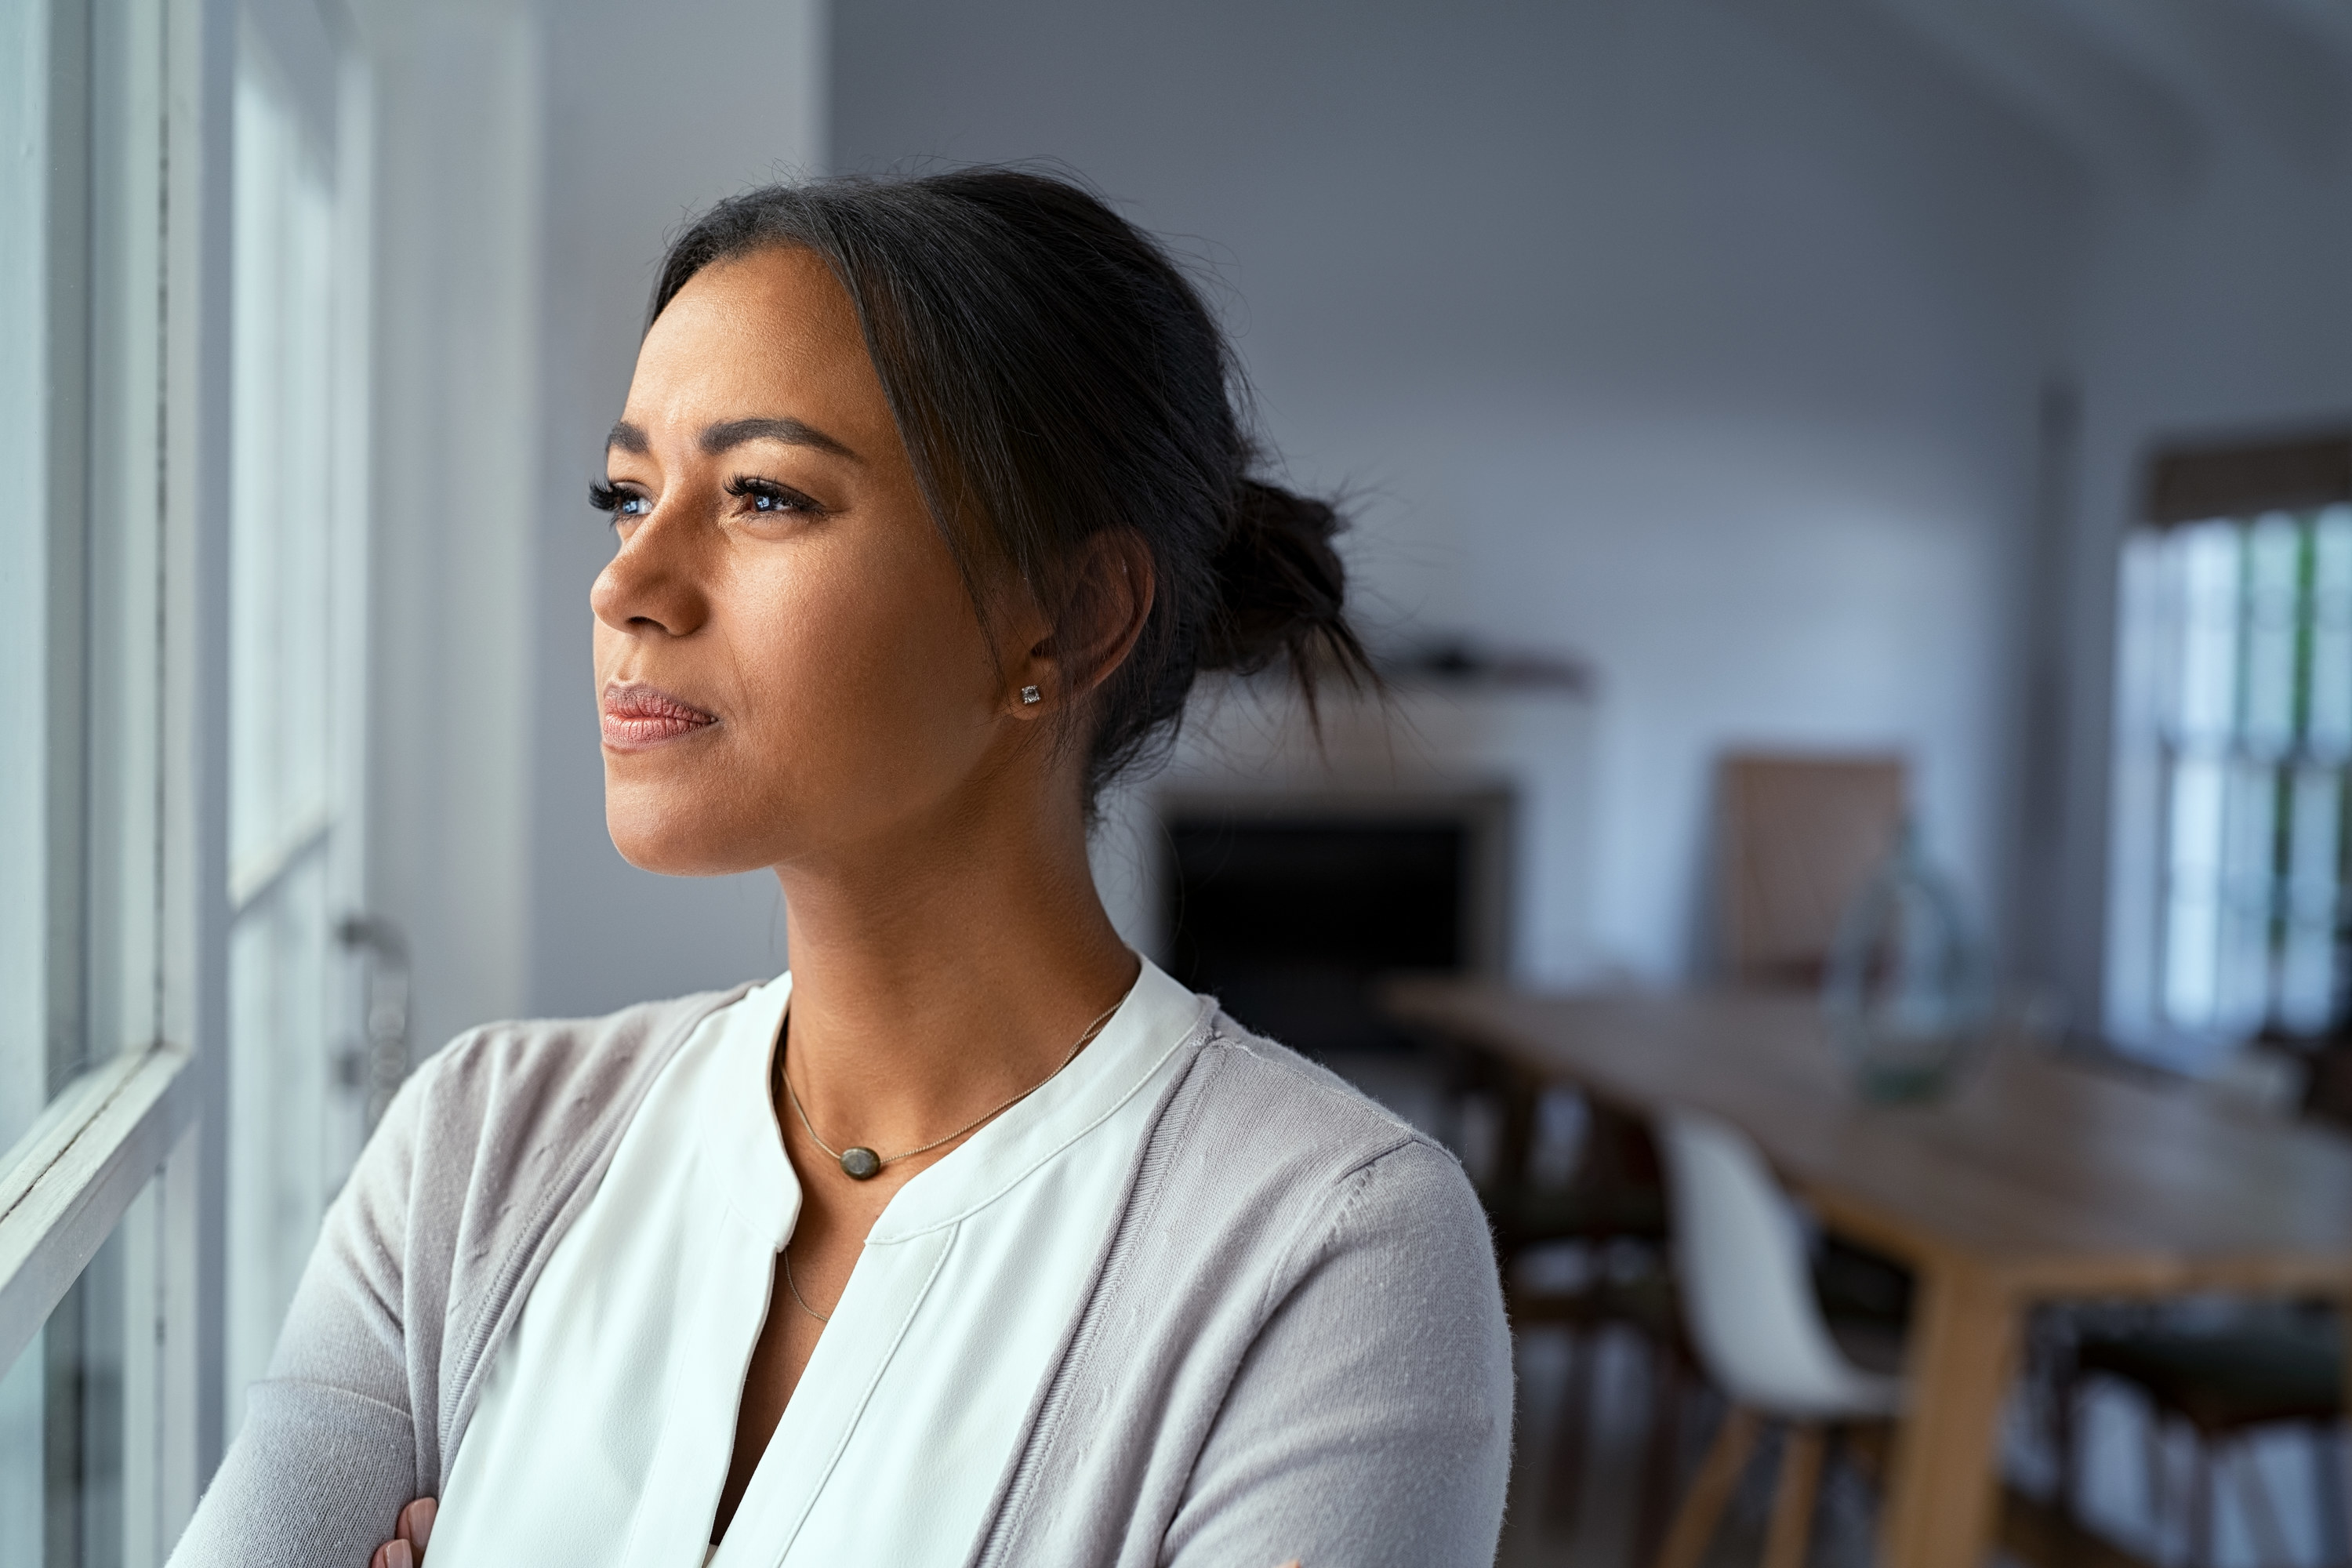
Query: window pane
[(2328, 727), (2267, 688), (2249, 882), (2307, 986), (2193, 916), (79, 1412), (2206, 568), (299, 1073), (281, 658)]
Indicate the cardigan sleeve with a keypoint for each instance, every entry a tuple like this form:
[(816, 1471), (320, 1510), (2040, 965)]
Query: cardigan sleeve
[(328, 1452), (1369, 1422), (316, 1478), (421, 1265)]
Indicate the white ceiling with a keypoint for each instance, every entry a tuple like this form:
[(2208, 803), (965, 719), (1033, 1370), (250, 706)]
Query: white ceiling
[(2144, 91)]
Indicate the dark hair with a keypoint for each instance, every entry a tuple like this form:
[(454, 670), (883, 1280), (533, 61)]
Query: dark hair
[(1054, 374)]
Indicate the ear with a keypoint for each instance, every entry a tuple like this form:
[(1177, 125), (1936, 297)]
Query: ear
[(1108, 598)]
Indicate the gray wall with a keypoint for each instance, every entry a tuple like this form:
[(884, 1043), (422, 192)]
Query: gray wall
[(456, 415), (1704, 340), (1677, 336), (654, 112), (532, 155)]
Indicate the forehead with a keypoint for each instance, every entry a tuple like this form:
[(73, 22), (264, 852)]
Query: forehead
[(770, 334)]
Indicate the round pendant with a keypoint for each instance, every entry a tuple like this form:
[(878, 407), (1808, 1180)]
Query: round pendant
[(861, 1165)]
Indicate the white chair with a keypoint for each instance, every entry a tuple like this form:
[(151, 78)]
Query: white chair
[(1748, 1303)]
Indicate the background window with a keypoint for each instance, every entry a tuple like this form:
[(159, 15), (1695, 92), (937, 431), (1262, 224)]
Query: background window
[(2237, 716), (2257, 735)]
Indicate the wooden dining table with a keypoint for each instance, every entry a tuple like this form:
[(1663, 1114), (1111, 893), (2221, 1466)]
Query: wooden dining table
[(2040, 1178)]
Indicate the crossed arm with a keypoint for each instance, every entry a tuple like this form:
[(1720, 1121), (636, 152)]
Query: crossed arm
[(406, 1549)]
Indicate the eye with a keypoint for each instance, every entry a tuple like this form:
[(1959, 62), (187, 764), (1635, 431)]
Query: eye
[(767, 496), (621, 504)]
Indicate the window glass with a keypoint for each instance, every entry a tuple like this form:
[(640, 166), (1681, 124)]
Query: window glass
[(298, 1068), (80, 1414)]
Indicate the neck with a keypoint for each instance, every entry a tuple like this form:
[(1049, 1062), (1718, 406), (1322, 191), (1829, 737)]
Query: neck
[(938, 976)]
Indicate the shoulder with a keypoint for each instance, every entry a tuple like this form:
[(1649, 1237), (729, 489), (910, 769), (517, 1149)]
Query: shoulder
[(1299, 1320), (1261, 1147), (501, 1123), (505, 1112), (519, 1063), (1272, 1106)]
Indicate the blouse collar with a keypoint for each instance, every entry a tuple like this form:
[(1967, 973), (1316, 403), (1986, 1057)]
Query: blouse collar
[(1158, 1017)]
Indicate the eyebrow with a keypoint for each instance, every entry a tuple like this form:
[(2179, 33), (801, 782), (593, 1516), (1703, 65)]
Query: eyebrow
[(717, 439)]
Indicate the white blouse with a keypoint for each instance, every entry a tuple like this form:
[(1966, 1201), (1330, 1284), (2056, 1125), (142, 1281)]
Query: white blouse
[(607, 1423)]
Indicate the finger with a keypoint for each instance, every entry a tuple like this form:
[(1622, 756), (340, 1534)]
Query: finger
[(416, 1523), (399, 1555), (382, 1558)]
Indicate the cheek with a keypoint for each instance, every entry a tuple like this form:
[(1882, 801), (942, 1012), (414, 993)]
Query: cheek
[(869, 677)]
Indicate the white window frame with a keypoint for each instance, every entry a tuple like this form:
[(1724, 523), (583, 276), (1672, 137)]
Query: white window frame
[(151, 1119), (68, 1182)]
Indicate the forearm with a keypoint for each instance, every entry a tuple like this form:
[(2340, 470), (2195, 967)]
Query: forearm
[(315, 1480)]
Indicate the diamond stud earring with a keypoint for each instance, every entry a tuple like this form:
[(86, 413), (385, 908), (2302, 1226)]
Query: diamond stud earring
[(1031, 694)]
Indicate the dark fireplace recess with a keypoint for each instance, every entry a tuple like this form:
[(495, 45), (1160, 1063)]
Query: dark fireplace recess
[(1290, 908)]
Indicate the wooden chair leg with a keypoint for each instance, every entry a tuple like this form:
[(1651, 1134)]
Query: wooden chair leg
[(2262, 1521), (2202, 1485), (1792, 1529), (2065, 1436), (1567, 1489), (1702, 1506), (2334, 1534), (1663, 1456)]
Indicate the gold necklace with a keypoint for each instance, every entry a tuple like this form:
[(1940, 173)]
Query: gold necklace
[(860, 1164), (812, 1311)]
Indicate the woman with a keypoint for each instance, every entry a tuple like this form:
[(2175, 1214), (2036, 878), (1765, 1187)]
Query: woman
[(974, 1238)]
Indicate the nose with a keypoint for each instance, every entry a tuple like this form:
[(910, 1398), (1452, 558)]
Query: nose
[(653, 585)]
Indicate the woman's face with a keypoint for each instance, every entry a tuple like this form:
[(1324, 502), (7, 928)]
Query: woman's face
[(788, 662)]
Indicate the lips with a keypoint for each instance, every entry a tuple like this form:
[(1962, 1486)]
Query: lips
[(636, 716)]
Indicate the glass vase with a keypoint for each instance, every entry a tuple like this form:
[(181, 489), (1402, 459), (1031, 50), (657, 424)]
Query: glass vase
[(1907, 993)]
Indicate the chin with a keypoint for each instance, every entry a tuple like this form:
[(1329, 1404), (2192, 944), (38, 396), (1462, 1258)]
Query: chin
[(656, 831)]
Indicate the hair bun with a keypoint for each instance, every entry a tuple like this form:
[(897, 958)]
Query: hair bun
[(1281, 590)]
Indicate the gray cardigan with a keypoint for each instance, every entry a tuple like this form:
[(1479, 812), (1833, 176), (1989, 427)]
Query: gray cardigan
[(1293, 1344)]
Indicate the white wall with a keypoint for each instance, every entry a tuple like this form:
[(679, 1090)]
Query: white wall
[(653, 113), (1658, 334)]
